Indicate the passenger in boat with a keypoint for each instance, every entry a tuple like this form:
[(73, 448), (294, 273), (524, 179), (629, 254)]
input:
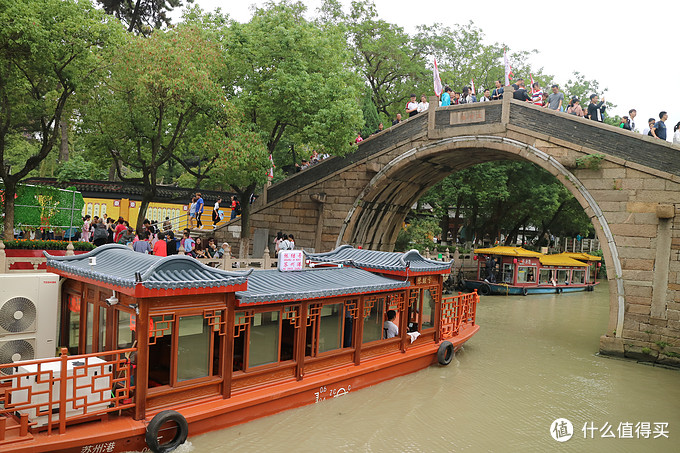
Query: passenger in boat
[(390, 328), (491, 269)]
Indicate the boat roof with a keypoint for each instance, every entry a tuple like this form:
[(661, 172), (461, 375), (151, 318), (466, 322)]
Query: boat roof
[(386, 262), (140, 275), (509, 251), (269, 286), (561, 260), (581, 256)]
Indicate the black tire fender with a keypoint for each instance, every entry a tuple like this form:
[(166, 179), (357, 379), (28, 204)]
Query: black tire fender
[(154, 426), (485, 289), (445, 353)]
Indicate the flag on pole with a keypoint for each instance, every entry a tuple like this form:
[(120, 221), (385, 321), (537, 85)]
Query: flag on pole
[(531, 76), (437, 81), (270, 174), (508, 69), (472, 85)]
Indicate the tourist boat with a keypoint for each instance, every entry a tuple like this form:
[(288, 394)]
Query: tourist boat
[(155, 349), (515, 270)]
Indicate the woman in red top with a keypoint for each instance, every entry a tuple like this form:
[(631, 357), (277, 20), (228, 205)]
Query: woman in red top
[(119, 229), (160, 248)]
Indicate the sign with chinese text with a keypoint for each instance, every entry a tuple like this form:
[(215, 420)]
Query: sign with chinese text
[(291, 260)]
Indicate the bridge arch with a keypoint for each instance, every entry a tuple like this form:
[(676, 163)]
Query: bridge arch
[(376, 216)]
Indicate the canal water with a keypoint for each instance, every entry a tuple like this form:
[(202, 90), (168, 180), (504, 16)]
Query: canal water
[(533, 361)]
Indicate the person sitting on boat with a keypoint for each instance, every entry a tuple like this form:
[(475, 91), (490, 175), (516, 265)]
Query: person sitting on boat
[(490, 269), (390, 328)]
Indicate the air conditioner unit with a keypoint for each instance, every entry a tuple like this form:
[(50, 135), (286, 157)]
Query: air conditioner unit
[(29, 307)]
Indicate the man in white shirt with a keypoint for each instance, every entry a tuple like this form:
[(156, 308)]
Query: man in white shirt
[(390, 328), (423, 105), (632, 113), (412, 106)]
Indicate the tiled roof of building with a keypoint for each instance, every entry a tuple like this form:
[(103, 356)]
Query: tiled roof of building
[(509, 251), (122, 267), (382, 261), (266, 286)]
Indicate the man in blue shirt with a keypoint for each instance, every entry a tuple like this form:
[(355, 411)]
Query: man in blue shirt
[(446, 97), (199, 210), (659, 128)]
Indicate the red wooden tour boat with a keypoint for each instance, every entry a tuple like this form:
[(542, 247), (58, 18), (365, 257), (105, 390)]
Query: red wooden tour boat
[(218, 348)]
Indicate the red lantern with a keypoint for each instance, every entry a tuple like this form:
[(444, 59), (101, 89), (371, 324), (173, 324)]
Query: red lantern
[(474, 257), (514, 260), (599, 264)]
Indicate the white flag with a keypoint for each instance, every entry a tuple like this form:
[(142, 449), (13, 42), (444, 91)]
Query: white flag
[(472, 85), (508, 69), (437, 81)]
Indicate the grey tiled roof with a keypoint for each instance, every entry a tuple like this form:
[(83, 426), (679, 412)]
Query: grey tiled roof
[(117, 265), (273, 285), (387, 261)]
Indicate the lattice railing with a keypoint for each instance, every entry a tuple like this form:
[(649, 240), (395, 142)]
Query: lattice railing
[(51, 392), (457, 311)]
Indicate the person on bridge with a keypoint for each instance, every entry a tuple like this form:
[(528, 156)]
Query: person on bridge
[(398, 120), (521, 93), (555, 99), (423, 105), (412, 106), (446, 97), (659, 128), (199, 210), (537, 94), (676, 134), (632, 114), (596, 108), (216, 213), (497, 93)]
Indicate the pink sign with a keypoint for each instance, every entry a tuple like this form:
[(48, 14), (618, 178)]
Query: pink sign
[(291, 260)]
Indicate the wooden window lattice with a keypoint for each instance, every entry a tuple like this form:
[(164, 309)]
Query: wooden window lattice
[(292, 313), (313, 313), (352, 307), (217, 319), (369, 302), (396, 302), (241, 322), (159, 327), (413, 297)]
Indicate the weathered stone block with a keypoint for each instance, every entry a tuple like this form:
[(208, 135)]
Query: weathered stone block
[(611, 346), (646, 231), (638, 264), (640, 309)]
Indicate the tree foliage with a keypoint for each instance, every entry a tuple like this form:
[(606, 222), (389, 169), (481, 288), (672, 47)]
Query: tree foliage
[(142, 16), (48, 50), (157, 89)]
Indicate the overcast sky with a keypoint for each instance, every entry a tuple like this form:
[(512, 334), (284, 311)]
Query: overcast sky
[(627, 46)]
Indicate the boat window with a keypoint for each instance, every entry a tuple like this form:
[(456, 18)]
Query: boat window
[(578, 277), (241, 322), (70, 324), (526, 274), (263, 345), (507, 273), (562, 277), (545, 276), (428, 309), (374, 313), (126, 335), (160, 349), (89, 328), (193, 347), (101, 346), (330, 327)]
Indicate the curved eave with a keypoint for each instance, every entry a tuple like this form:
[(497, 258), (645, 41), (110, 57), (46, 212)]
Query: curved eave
[(403, 273), (138, 290)]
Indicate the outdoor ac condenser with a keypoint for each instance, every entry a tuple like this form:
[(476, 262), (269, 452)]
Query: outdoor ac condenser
[(29, 305)]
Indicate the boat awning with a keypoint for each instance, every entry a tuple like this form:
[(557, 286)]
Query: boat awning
[(581, 256), (509, 251), (560, 260), (119, 268), (270, 286), (395, 263)]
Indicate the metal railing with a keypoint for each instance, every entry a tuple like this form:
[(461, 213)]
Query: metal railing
[(51, 392)]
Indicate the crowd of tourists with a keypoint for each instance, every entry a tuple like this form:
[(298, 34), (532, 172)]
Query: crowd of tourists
[(149, 239), (553, 100)]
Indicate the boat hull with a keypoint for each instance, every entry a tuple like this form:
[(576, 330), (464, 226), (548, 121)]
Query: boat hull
[(487, 288), (121, 433)]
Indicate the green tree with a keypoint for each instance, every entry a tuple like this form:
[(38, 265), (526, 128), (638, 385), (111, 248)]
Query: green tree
[(418, 235), (292, 78), (242, 161), (48, 50), (157, 88), (370, 116), (142, 16)]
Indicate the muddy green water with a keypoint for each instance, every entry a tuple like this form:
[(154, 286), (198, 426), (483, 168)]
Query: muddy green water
[(533, 361)]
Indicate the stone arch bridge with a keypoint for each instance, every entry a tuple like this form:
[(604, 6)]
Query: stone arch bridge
[(632, 198)]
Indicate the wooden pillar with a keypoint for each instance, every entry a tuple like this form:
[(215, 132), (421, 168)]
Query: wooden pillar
[(301, 342), (228, 366), (359, 331), (142, 374)]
